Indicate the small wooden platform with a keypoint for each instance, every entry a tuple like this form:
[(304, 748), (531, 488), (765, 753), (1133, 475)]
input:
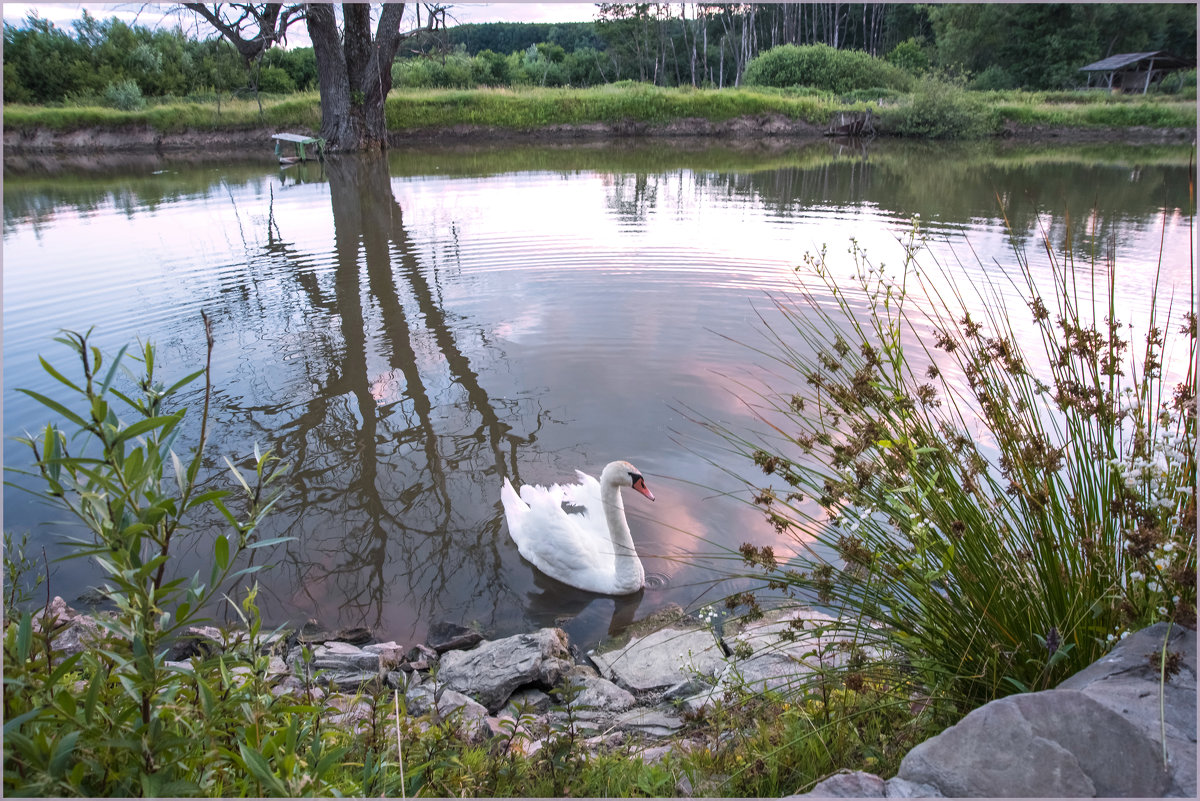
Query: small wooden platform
[(299, 141)]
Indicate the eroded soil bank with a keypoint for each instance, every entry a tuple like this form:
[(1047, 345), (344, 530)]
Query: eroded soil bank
[(146, 139)]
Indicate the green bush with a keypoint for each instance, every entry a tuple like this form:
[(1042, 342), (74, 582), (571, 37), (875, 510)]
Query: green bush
[(275, 80), (453, 71), (909, 56), (994, 78), (939, 109), (490, 68), (124, 96), (823, 67)]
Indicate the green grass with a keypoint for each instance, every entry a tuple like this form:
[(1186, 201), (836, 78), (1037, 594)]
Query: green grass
[(302, 111), (531, 108)]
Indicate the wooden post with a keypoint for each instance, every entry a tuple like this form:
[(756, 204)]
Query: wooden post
[(1149, 72)]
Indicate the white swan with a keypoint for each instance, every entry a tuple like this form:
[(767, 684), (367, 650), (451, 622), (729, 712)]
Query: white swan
[(577, 533)]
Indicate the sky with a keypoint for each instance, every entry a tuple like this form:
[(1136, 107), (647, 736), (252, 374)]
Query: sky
[(153, 14)]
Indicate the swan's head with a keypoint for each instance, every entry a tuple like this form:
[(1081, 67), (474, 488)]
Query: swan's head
[(623, 474)]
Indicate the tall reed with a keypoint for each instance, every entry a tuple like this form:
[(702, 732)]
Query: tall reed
[(990, 514)]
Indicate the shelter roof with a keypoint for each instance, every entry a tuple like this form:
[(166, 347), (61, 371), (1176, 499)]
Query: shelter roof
[(1126, 59)]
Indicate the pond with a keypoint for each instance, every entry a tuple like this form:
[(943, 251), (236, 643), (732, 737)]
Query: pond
[(407, 330)]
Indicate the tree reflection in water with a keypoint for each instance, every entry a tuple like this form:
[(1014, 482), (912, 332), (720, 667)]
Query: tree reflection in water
[(381, 452)]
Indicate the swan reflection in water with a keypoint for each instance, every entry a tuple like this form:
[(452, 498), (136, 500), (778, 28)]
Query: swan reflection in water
[(587, 617)]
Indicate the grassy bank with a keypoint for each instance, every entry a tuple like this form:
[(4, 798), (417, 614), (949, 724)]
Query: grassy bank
[(974, 113)]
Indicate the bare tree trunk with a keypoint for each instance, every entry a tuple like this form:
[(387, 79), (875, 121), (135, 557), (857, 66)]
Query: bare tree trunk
[(355, 72)]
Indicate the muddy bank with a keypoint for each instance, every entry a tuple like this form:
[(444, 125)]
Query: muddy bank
[(144, 139)]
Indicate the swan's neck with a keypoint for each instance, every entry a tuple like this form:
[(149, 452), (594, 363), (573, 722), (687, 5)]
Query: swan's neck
[(627, 567)]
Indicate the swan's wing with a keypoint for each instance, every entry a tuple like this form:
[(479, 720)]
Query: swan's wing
[(586, 494), (566, 546)]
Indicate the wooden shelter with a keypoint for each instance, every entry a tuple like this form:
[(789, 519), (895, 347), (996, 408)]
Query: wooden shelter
[(1131, 72)]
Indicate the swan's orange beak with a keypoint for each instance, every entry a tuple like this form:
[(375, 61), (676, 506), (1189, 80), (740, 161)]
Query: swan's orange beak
[(639, 484)]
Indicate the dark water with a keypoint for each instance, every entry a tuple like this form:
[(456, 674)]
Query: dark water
[(407, 330)]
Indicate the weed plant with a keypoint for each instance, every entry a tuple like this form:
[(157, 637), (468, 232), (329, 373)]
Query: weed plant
[(989, 515)]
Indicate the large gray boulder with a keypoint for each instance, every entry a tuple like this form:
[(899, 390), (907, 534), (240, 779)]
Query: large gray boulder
[(493, 669), (1100, 733), (1128, 683), (661, 659), (1056, 743)]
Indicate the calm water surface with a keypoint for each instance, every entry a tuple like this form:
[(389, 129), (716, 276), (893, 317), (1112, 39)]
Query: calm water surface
[(406, 330)]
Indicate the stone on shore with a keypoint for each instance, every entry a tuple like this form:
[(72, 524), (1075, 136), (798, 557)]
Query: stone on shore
[(491, 671), (661, 659), (446, 636), (1126, 682)]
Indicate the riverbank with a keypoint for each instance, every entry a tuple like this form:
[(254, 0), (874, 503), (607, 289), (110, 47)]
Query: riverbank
[(145, 139), (674, 707), (546, 115)]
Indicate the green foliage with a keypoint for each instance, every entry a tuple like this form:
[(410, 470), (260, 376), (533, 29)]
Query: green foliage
[(909, 56), (114, 719), (939, 109), (993, 78), (1043, 45), (823, 67), (275, 80), (19, 571), (124, 96), (996, 513)]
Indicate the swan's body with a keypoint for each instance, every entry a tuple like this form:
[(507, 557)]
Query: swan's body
[(588, 544)]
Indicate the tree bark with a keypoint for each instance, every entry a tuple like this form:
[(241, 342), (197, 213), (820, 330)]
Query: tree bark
[(355, 72)]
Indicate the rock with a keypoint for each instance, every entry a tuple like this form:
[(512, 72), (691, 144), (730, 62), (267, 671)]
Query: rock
[(903, 788), (786, 646), (596, 693), (446, 703), (402, 680), (420, 657), (73, 631), (342, 656), (493, 669), (855, 784), (661, 659), (446, 636), (443, 701), (348, 681), (201, 641), (1125, 682), (685, 688), (390, 654), (1056, 743), (351, 715), (312, 632), (529, 700), (648, 722)]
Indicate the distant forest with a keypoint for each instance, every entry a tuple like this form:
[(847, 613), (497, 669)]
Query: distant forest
[(987, 45)]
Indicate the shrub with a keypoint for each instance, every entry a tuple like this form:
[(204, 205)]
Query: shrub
[(124, 96), (823, 67), (994, 513), (909, 56), (454, 71), (939, 109), (489, 68), (138, 726), (276, 81), (994, 78)]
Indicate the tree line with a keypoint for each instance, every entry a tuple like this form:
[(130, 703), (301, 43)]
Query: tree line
[(120, 64), (992, 45)]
